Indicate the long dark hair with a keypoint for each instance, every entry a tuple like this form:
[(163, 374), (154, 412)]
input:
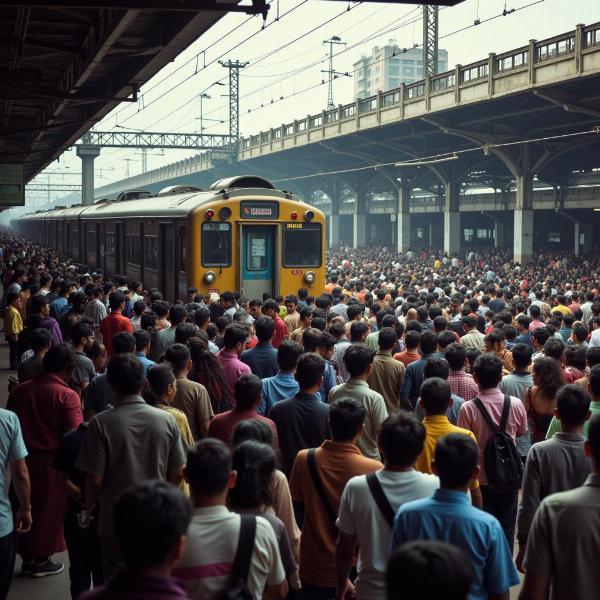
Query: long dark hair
[(207, 370), (255, 464), (550, 376), (159, 378)]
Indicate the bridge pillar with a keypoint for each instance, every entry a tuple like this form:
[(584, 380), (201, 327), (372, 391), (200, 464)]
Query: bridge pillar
[(452, 226), (334, 229), (523, 220), (499, 231), (359, 222), (87, 153), (403, 221)]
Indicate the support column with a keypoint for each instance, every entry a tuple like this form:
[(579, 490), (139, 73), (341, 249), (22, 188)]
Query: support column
[(576, 232), (87, 154), (403, 221), (452, 228), (523, 218), (523, 243), (499, 233), (359, 223), (588, 238), (334, 230)]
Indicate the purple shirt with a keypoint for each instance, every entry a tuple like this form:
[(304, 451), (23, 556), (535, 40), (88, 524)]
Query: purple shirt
[(132, 586), (233, 368), (52, 326), (493, 399)]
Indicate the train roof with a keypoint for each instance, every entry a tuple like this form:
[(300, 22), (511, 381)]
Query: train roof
[(177, 205)]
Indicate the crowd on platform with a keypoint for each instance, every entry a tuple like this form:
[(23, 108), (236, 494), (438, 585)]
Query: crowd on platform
[(367, 441)]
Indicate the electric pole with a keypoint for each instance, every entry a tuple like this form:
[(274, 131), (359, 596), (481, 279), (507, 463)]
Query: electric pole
[(234, 98), (430, 40), (332, 41), (202, 97)]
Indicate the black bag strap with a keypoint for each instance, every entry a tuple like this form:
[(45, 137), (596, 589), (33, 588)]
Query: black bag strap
[(505, 413), (380, 498), (312, 467), (243, 554), (486, 415)]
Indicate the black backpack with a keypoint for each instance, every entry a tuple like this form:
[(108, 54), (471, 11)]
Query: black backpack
[(501, 459), (243, 556)]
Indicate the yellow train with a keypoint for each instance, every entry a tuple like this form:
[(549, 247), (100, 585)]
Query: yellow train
[(241, 234)]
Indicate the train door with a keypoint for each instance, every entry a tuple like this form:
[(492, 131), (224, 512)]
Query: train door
[(168, 269), (258, 260), (100, 248)]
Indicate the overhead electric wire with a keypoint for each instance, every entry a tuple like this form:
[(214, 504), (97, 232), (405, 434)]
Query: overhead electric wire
[(485, 148)]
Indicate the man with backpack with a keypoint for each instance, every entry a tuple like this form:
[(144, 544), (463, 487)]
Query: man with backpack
[(496, 420), (369, 503), (227, 555), (317, 481)]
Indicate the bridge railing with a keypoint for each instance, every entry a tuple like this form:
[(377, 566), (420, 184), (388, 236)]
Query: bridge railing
[(557, 48)]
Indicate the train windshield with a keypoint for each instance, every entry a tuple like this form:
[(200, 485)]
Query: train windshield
[(216, 244), (302, 245)]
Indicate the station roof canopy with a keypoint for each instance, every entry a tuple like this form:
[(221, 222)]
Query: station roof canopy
[(65, 64)]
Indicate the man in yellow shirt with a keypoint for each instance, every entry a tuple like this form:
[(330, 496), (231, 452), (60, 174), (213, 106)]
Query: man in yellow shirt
[(13, 325), (562, 307), (435, 399)]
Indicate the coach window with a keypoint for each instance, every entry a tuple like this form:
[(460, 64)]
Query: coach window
[(182, 249), (302, 245), (216, 244), (110, 244), (132, 248)]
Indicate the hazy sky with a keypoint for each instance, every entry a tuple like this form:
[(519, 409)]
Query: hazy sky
[(276, 62)]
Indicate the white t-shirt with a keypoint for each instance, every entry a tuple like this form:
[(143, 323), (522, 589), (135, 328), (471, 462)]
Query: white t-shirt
[(359, 515), (212, 541)]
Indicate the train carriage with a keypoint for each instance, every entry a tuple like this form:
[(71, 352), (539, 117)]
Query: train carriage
[(241, 234)]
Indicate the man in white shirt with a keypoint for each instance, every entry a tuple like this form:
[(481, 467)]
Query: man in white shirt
[(360, 519), (213, 535)]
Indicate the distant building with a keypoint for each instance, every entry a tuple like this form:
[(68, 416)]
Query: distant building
[(387, 67)]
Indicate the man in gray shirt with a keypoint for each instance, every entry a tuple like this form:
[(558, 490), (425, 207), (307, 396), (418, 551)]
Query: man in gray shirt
[(516, 384), (562, 549), (125, 446), (358, 360), (556, 464), (82, 336)]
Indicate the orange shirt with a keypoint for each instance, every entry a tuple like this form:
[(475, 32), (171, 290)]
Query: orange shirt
[(337, 462)]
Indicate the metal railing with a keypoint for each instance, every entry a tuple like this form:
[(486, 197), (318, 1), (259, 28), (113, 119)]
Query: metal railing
[(555, 48)]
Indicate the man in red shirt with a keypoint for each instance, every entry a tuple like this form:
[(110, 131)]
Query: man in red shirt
[(247, 394), (270, 308), (47, 409), (115, 322)]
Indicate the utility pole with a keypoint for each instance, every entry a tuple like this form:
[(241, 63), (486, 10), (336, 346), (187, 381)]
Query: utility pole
[(234, 98), (144, 160), (430, 40), (332, 41), (127, 161), (202, 97)]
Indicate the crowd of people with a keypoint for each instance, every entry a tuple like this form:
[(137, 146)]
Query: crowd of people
[(367, 441)]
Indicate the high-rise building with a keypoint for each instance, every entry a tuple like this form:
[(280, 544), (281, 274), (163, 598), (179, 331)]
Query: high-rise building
[(389, 66)]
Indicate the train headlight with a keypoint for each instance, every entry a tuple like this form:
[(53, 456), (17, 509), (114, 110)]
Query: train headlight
[(210, 276), (309, 277), (225, 213), (309, 215)]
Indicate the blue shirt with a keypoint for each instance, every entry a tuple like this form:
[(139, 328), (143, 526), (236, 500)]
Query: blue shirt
[(262, 359), (58, 307), (277, 388), (12, 448), (146, 362), (448, 516), (329, 381), (413, 379), (524, 339)]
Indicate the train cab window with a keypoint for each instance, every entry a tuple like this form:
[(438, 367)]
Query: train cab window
[(216, 244), (110, 244), (302, 245)]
